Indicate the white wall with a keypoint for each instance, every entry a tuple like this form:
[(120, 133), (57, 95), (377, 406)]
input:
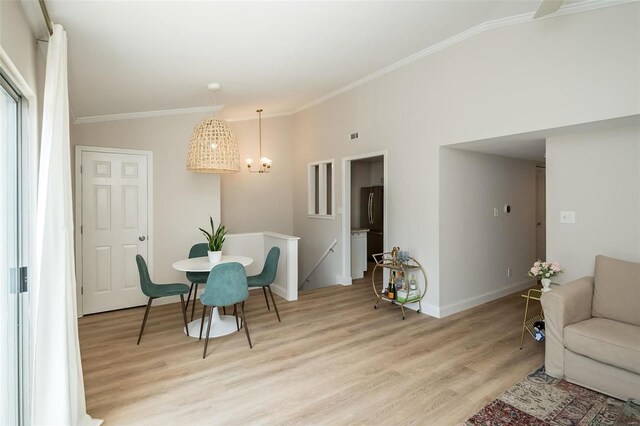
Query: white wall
[(528, 77), (18, 42), (477, 248), (534, 76), (596, 175), (255, 202), (182, 200)]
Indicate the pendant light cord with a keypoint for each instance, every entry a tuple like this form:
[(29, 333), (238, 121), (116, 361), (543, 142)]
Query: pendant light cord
[(260, 130)]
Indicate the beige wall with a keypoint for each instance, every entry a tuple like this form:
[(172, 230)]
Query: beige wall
[(254, 202), (183, 200), (529, 77), (18, 42), (596, 175), (534, 76), (476, 247)]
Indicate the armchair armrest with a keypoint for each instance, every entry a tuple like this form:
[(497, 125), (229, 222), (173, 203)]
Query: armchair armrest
[(566, 305)]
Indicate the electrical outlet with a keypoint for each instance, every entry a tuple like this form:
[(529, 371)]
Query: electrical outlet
[(354, 135), (509, 272), (495, 212)]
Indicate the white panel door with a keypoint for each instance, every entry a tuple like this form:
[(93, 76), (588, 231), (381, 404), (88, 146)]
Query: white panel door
[(114, 229)]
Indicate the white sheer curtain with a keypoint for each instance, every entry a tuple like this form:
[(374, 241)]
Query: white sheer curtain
[(58, 387)]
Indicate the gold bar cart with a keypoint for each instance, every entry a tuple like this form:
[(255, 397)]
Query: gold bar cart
[(391, 262)]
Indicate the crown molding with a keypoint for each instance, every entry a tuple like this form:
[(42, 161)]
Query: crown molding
[(254, 117), (146, 114), (478, 29)]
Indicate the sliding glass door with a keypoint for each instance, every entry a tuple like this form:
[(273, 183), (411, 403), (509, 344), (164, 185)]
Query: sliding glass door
[(12, 276)]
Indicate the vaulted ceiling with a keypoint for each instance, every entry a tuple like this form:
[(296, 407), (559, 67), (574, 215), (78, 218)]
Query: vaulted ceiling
[(138, 56)]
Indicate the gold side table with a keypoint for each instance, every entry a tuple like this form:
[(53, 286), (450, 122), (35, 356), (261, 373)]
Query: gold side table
[(527, 322)]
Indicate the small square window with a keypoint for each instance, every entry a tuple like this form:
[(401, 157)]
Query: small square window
[(321, 189)]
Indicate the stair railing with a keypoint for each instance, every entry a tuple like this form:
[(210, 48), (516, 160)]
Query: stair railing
[(324, 255)]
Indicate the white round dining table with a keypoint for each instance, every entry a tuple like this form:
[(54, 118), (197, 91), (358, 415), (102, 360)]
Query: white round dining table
[(221, 325)]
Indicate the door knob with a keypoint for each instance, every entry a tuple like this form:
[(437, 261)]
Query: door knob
[(142, 238)]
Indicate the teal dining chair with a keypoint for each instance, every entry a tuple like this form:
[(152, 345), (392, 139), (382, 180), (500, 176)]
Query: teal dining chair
[(226, 286), (196, 278), (268, 275), (156, 291)]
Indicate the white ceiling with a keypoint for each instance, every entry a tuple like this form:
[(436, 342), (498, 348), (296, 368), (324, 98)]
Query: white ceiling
[(532, 145), (137, 56)]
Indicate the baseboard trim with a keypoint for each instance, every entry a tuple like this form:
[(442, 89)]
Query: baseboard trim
[(472, 302), (427, 309), (343, 280)]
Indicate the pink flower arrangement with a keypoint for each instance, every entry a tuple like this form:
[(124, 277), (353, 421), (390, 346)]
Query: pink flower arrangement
[(544, 269)]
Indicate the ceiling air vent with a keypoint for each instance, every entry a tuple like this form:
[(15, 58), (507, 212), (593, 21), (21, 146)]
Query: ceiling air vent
[(353, 136)]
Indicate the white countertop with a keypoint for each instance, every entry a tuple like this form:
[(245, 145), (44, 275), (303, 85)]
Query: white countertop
[(358, 230)]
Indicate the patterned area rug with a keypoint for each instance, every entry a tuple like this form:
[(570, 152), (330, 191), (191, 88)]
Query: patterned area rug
[(542, 400)]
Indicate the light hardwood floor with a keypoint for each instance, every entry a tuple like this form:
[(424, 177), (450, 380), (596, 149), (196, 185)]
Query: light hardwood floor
[(332, 360)]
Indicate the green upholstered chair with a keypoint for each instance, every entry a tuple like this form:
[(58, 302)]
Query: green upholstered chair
[(268, 275), (155, 291), (196, 278), (226, 285)]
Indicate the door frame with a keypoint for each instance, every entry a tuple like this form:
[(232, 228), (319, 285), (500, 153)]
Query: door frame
[(30, 155), (541, 169), (346, 209), (79, 150)]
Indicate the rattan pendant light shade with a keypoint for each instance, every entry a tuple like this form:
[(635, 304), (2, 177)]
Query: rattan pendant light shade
[(213, 148)]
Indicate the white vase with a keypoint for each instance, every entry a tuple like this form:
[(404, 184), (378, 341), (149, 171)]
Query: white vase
[(214, 256), (546, 284)]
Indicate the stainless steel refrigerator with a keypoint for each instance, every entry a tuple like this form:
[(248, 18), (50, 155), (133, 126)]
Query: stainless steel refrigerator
[(372, 217)]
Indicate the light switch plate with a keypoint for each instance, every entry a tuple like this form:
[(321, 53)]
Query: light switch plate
[(568, 217)]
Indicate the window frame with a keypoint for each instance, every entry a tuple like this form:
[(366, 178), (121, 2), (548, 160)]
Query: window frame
[(321, 189)]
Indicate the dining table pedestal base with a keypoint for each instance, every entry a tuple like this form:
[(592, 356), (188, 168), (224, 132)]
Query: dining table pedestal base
[(221, 325)]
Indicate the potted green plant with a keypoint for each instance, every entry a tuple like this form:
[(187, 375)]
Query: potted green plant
[(215, 240)]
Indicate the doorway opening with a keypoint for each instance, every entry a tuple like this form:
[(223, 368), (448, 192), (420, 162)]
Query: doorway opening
[(364, 213)]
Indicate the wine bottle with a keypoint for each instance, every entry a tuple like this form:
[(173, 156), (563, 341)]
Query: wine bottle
[(392, 285)]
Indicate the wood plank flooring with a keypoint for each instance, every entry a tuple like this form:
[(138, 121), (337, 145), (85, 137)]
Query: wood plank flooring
[(333, 360)]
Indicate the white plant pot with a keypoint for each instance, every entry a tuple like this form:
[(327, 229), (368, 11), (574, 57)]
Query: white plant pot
[(546, 284), (214, 256)]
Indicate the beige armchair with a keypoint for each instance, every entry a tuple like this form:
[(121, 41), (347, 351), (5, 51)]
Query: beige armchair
[(593, 329)]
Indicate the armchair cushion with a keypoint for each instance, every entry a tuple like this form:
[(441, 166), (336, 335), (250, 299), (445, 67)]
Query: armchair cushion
[(563, 306), (616, 293), (607, 341)]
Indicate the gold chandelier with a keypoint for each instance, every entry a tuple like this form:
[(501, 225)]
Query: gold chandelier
[(265, 162)]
